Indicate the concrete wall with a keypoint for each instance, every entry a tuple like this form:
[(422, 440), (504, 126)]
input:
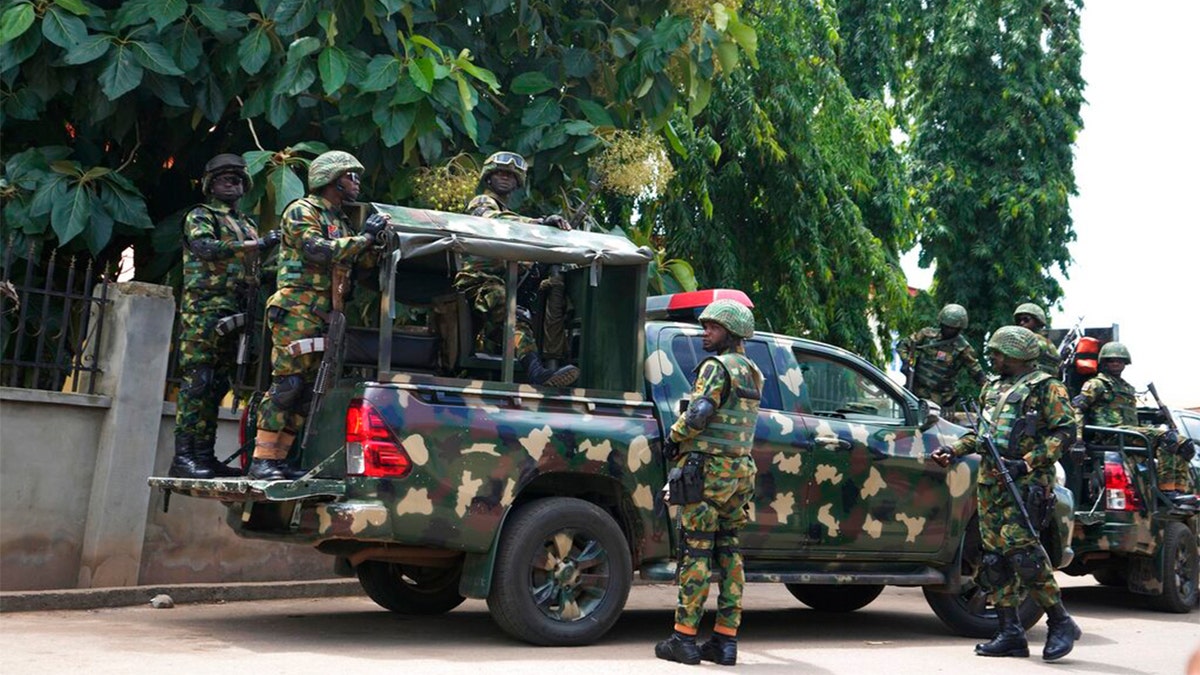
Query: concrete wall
[(75, 509)]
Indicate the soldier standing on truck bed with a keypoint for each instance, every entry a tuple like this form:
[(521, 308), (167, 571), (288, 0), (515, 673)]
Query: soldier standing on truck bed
[(714, 482), (220, 252), (481, 279), (318, 248), (1107, 400), (1030, 315), (932, 358), (1031, 424)]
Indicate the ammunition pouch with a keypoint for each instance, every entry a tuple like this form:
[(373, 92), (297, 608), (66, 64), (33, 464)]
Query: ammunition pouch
[(994, 572), (1026, 563), (1039, 503), (686, 483)]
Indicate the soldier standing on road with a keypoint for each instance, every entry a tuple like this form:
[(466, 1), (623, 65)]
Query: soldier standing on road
[(481, 280), (1029, 315), (1107, 400), (1014, 562), (715, 435), (318, 253), (933, 357), (221, 250)]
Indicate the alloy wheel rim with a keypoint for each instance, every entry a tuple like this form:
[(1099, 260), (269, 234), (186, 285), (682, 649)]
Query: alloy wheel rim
[(569, 575)]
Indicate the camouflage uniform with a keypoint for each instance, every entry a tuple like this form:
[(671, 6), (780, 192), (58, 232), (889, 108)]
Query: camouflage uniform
[(210, 293), (1047, 360), (303, 297), (937, 363)]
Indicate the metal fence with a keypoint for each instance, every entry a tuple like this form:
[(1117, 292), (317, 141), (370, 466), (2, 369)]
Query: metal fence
[(50, 313)]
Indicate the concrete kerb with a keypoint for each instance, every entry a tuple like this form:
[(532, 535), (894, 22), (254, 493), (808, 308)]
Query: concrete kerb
[(96, 598)]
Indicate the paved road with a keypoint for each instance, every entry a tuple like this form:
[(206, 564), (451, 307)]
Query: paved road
[(895, 634)]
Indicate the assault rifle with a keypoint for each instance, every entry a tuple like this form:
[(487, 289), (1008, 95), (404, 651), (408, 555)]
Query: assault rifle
[(1067, 348), (989, 444), (249, 295), (331, 360)]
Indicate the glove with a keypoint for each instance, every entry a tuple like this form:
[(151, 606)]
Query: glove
[(671, 449), (375, 223), (557, 221), (1168, 439), (1187, 450), (269, 240), (942, 456), (1016, 467)]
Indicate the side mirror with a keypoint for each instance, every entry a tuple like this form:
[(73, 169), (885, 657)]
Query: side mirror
[(928, 417)]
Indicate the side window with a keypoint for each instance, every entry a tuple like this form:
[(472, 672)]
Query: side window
[(1191, 427), (836, 389), (689, 352)]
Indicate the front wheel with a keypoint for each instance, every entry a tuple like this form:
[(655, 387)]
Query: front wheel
[(409, 589), (1180, 571), (968, 612), (562, 573), (833, 597)]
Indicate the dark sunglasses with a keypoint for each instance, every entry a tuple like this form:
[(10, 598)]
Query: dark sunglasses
[(353, 176)]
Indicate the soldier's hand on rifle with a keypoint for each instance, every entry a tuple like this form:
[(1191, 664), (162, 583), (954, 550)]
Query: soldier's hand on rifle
[(269, 240), (376, 223), (942, 456), (670, 449), (556, 221), (1016, 467)]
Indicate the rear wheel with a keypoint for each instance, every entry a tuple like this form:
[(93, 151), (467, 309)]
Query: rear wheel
[(1180, 571), (562, 573), (1111, 576), (409, 589), (834, 597), (968, 612)]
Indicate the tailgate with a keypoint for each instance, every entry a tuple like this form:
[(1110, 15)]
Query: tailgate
[(246, 490)]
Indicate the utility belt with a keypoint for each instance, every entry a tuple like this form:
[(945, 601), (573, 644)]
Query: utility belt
[(1040, 501), (685, 484)]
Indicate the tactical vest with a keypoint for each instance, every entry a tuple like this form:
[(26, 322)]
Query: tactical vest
[(1010, 407), (730, 431), (1117, 404), (936, 366), (212, 278), (1047, 360), (296, 272)]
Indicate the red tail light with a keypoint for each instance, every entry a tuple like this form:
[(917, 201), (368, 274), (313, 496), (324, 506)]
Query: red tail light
[(370, 448), (1118, 489)]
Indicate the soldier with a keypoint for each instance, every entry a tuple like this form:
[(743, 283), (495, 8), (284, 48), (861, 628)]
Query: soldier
[(221, 250), (1013, 560), (712, 442), (1107, 400), (317, 254), (481, 280), (1029, 315), (933, 357)]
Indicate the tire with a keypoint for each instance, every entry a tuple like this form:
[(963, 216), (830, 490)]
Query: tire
[(1180, 574), (834, 598), (562, 573), (968, 613), (1111, 576), (409, 589)]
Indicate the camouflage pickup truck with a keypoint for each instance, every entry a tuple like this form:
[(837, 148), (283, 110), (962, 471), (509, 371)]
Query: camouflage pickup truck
[(436, 475)]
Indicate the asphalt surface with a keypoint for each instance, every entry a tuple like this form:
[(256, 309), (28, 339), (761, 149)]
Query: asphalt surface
[(895, 634)]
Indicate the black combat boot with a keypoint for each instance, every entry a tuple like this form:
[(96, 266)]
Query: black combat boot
[(679, 648), (720, 649), (1063, 633), (186, 464), (273, 469), (1010, 639), (540, 374), (203, 451)]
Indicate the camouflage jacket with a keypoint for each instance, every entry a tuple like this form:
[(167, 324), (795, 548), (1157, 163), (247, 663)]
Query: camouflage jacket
[(1047, 360), (316, 238), (1106, 401), (488, 204), (1007, 401), (213, 263), (734, 384), (937, 362)]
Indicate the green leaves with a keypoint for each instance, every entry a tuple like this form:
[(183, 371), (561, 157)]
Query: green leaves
[(15, 21), (63, 28), (530, 83), (333, 66), (254, 50), (121, 72)]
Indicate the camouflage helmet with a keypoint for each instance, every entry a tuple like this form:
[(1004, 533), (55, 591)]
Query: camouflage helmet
[(505, 161), (329, 166), (1115, 350), (954, 316), (1032, 310), (1015, 342), (734, 316), (224, 163)]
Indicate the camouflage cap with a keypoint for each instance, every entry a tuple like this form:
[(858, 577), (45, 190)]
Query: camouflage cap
[(1015, 342), (734, 316), (329, 166), (505, 161), (954, 316), (1115, 350), (225, 162), (1032, 310)]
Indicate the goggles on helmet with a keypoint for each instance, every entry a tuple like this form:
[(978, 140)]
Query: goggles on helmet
[(509, 159)]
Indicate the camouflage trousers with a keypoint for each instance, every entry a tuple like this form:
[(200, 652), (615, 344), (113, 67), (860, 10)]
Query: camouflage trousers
[(287, 326), (485, 293), (1174, 473), (200, 348), (709, 534), (1003, 532)]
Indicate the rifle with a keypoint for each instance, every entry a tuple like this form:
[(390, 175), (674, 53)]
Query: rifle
[(585, 206), (331, 360), (1066, 348), (1013, 491), (249, 295), (1163, 409)]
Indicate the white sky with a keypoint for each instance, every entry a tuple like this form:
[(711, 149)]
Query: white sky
[(1137, 166)]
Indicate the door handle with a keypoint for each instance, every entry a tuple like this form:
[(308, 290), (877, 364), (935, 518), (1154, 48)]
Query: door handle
[(834, 442)]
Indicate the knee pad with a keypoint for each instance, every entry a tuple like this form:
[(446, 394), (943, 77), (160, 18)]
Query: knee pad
[(289, 393), (1026, 563), (994, 572), (198, 381)]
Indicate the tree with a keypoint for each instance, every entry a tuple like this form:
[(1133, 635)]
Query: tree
[(993, 110)]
